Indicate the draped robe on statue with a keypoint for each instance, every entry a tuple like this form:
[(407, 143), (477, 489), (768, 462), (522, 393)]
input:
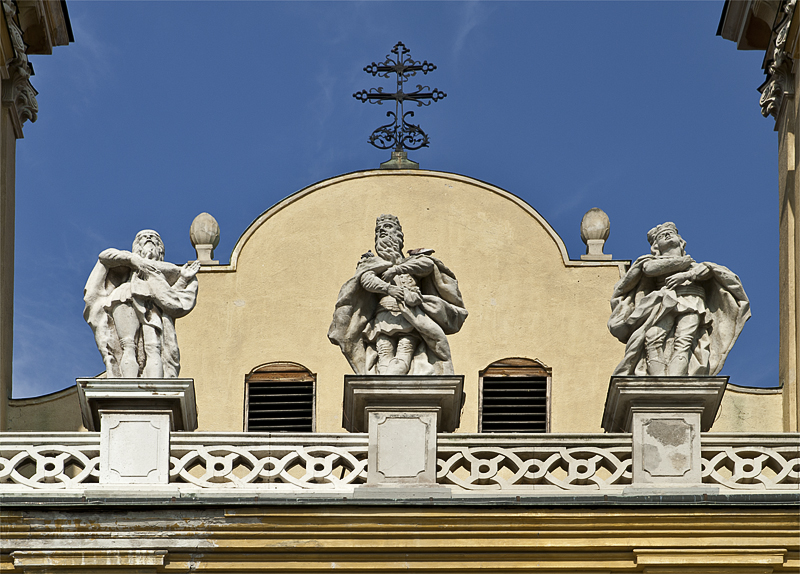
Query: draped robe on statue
[(157, 300), (637, 305), (441, 313)]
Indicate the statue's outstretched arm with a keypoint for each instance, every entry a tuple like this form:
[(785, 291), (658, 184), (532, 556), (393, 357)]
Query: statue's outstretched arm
[(179, 298), (701, 272), (415, 266), (697, 272), (375, 284), (666, 265), (170, 271), (116, 258), (119, 258), (187, 273)]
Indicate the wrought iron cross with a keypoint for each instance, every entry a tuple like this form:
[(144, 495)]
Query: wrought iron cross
[(400, 134)]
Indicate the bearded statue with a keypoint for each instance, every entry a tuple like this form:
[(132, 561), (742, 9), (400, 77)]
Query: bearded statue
[(132, 300), (393, 316)]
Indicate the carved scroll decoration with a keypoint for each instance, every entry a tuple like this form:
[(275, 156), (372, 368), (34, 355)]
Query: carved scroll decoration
[(49, 466), (18, 92), (780, 80), (752, 467), (272, 467), (535, 468)]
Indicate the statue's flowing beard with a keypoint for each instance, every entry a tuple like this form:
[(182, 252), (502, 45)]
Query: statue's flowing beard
[(149, 250), (388, 248)]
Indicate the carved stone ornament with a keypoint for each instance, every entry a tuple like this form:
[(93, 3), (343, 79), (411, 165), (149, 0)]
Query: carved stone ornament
[(677, 317), (393, 316), (132, 300), (595, 228), (18, 93), (779, 83), (204, 234)]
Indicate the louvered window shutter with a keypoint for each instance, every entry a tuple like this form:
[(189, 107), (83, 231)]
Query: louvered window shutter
[(514, 397), (279, 397)]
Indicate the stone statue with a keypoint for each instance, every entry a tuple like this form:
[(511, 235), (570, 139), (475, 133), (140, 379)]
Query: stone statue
[(676, 317), (132, 300), (393, 316)]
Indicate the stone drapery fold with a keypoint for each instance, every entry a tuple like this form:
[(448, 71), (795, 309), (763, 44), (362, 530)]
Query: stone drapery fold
[(441, 313), (637, 305), (157, 301)]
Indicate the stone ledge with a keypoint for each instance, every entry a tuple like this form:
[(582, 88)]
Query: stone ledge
[(95, 497), (174, 395), (442, 392), (624, 393)]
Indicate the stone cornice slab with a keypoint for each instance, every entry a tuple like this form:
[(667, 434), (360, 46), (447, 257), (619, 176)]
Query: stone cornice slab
[(703, 393), (175, 395)]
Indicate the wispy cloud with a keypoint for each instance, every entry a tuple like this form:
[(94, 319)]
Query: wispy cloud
[(52, 343), (471, 15), (48, 333), (90, 62)]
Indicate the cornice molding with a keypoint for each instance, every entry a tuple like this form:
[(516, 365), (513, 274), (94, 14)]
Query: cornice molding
[(45, 24)]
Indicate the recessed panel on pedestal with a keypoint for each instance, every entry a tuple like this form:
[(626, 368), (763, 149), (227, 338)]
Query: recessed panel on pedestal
[(134, 447), (666, 448), (403, 446)]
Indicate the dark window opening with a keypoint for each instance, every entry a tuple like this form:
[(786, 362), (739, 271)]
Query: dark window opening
[(514, 397), (279, 397)]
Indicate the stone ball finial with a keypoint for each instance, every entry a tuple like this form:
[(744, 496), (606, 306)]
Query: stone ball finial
[(204, 234), (595, 227)]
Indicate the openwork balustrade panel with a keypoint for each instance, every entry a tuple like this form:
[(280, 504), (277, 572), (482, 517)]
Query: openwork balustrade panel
[(466, 462), (553, 462), (282, 462), (49, 460), (752, 462)]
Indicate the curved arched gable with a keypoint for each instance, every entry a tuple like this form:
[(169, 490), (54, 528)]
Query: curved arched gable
[(346, 179), (525, 297)]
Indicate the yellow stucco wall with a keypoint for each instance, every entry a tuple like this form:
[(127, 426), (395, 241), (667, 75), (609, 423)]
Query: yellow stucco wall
[(393, 539), (59, 411), (525, 298), (750, 410)]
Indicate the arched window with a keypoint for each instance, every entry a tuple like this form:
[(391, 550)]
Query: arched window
[(514, 397), (279, 397)]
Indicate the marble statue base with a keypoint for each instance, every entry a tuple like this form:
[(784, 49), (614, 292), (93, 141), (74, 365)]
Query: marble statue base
[(666, 416), (135, 417), (402, 415)]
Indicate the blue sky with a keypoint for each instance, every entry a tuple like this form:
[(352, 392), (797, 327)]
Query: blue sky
[(162, 110)]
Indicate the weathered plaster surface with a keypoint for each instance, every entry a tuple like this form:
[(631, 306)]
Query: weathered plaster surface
[(59, 411), (750, 410), (417, 538)]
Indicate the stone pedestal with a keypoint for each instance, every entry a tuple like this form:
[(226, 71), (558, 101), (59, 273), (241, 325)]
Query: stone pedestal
[(135, 417), (399, 160), (666, 416), (594, 251), (402, 416)]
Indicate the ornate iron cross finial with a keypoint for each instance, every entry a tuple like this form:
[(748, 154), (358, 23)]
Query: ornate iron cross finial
[(400, 134)]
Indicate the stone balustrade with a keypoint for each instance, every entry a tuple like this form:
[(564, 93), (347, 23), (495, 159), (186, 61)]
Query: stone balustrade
[(471, 464)]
